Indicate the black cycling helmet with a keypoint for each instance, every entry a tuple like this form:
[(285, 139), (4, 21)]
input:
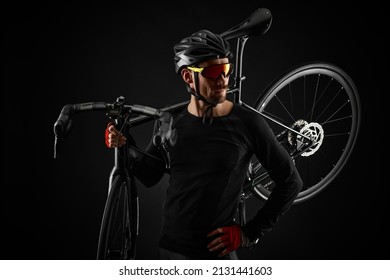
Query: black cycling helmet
[(200, 46)]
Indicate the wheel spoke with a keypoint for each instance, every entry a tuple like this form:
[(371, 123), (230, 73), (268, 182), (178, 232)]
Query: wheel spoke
[(315, 96), (327, 106), (284, 107)]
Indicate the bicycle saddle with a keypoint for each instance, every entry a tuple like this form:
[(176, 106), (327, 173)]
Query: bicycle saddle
[(257, 23)]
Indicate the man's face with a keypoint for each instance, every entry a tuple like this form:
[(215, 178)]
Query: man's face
[(214, 90)]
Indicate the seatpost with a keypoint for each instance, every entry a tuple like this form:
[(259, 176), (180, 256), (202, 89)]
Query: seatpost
[(238, 68), (238, 79)]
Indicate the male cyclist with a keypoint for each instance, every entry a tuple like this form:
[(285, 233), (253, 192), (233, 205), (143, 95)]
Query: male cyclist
[(215, 141)]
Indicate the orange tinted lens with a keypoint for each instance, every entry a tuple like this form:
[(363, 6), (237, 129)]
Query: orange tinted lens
[(214, 71)]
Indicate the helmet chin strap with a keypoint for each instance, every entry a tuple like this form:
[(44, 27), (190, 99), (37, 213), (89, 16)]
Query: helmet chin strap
[(209, 110)]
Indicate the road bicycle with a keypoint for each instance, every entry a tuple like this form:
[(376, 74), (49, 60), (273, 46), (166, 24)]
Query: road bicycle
[(313, 109)]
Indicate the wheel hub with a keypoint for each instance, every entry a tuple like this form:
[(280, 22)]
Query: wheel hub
[(313, 130)]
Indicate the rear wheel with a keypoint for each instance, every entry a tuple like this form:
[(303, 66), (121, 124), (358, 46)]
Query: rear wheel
[(321, 101)]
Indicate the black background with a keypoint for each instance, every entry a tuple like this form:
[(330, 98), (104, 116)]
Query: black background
[(53, 55)]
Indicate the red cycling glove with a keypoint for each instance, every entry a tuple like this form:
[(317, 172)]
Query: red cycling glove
[(106, 135), (228, 239)]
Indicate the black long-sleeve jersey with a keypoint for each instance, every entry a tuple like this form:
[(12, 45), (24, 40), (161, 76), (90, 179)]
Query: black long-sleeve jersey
[(209, 164)]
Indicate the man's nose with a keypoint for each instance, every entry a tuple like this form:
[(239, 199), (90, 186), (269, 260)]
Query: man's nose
[(221, 78)]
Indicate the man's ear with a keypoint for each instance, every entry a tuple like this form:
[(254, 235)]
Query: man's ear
[(187, 76)]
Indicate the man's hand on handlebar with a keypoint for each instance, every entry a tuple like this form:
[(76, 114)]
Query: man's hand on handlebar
[(113, 138)]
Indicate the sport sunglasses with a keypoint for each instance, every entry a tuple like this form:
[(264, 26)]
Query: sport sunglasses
[(214, 71)]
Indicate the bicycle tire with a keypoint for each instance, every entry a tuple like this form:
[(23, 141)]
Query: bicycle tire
[(119, 227), (318, 98)]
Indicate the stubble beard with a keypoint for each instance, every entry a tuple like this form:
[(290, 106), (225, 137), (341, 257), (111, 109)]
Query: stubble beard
[(219, 98)]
